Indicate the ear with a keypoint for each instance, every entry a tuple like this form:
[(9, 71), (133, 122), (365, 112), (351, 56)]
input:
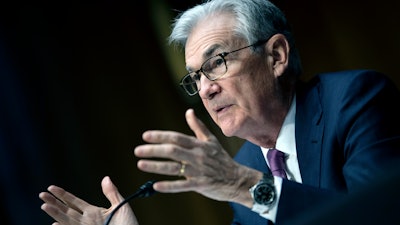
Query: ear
[(278, 50)]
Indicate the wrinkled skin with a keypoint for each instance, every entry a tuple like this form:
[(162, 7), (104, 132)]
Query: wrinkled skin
[(209, 169)]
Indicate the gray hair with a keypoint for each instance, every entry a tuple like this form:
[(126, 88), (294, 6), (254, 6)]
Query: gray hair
[(256, 20)]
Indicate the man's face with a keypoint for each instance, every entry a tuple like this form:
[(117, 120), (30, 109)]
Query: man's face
[(240, 101)]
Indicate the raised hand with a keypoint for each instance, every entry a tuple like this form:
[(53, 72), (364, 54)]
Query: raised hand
[(68, 209), (207, 168)]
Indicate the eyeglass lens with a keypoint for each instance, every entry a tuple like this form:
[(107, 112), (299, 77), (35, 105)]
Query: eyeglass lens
[(212, 68)]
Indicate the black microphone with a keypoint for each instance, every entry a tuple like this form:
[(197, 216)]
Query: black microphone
[(146, 190)]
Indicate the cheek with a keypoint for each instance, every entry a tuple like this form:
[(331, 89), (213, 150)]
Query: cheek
[(262, 81), (207, 107), (255, 83)]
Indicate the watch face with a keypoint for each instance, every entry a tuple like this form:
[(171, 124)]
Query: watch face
[(264, 194)]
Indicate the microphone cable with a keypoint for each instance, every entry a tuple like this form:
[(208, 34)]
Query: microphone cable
[(146, 190)]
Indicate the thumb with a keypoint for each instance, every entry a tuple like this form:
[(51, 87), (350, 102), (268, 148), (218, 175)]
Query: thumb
[(111, 191), (197, 126)]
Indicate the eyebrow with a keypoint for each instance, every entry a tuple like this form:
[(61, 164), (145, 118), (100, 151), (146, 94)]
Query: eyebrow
[(210, 52)]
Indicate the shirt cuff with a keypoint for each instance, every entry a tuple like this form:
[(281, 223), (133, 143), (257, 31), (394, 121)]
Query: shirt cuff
[(271, 210)]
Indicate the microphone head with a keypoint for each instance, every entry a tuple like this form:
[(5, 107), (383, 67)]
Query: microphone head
[(147, 189)]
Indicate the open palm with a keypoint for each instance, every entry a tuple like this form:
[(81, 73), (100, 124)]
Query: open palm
[(67, 209)]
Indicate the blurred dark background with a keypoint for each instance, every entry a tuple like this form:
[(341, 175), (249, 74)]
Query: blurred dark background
[(79, 83)]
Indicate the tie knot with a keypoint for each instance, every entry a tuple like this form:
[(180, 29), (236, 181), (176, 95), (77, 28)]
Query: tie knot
[(276, 160), (274, 154)]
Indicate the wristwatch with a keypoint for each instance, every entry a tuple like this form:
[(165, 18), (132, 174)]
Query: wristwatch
[(263, 194)]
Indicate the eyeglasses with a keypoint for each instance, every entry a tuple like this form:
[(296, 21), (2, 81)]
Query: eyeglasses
[(213, 68)]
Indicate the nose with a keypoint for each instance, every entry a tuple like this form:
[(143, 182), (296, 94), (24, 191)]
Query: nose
[(208, 88)]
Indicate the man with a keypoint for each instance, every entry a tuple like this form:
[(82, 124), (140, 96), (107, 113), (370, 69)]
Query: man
[(338, 132)]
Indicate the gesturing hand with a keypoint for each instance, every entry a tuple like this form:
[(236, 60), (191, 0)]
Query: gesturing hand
[(71, 210), (208, 168)]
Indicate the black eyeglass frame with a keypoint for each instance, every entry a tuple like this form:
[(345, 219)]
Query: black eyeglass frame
[(197, 72)]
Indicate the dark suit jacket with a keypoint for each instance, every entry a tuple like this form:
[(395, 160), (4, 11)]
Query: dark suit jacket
[(347, 133)]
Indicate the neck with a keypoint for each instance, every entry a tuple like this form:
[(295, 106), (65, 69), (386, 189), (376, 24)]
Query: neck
[(266, 134)]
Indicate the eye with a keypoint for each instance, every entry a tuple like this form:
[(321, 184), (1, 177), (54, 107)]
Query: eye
[(219, 61), (214, 63)]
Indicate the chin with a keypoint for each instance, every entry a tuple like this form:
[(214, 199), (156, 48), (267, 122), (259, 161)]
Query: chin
[(229, 126), (228, 132)]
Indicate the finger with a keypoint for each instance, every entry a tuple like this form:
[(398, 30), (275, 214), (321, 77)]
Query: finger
[(168, 137), (166, 151), (50, 199), (173, 186), (69, 199), (57, 209), (197, 126), (59, 216), (164, 167), (112, 194), (111, 191)]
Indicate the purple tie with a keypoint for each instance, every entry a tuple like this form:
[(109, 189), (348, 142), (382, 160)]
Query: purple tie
[(276, 160)]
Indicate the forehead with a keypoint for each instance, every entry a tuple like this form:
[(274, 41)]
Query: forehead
[(211, 34)]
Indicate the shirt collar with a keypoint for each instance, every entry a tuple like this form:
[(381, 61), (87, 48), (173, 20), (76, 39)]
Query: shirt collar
[(286, 141)]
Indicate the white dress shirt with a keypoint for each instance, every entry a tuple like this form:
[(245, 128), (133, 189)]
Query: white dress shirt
[(286, 142)]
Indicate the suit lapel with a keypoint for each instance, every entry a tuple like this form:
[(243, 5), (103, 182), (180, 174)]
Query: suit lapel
[(309, 133), (251, 155)]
